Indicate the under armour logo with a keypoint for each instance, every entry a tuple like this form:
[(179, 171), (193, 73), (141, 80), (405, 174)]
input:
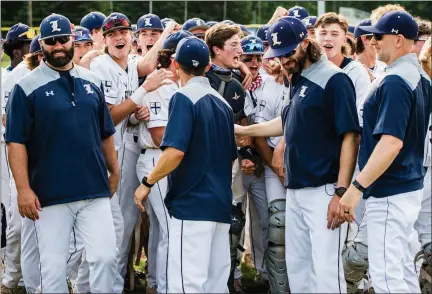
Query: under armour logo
[(302, 34), (88, 89), (49, 93), (195, 63), (275, 39), (147, 22), (54, 26), (235, 97), (395, 31), (296, 13), (302, 91)]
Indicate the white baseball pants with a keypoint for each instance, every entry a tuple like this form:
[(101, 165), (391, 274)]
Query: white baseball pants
[(92, 219), (390, 222), (424, 221), (313, 252), (199, 257), (159, 219)]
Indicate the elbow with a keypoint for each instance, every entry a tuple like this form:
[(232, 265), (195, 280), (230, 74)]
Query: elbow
[(392, 144), (177, 154)]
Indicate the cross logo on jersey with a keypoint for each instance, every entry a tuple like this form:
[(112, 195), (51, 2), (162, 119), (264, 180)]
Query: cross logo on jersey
[(302, 91), (155, 107), (147, 22), (88, 89), (262, 104), (296, 13), (51, 93), (54, 26), (107, 85), (275, 39)]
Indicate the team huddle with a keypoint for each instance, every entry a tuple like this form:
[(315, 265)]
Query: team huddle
[(316, 132)]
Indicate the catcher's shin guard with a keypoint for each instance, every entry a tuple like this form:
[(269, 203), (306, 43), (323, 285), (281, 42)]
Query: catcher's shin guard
[(355, 263), (275, 257), (238, 221)]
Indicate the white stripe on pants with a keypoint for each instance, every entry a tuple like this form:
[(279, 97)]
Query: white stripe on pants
[(159, 219), (390, 222), (313, 252), (199, 257), (93, 220)]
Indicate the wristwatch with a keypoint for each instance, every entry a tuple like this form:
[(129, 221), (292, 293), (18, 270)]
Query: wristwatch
[(358, 186), (145, 183), (340, 191)]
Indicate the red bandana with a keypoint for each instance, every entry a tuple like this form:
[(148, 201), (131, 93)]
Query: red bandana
[(255, 84)]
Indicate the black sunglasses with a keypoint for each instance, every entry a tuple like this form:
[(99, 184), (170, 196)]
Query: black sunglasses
[(378, 37), (289, 54), (249, 59), (52, 41)]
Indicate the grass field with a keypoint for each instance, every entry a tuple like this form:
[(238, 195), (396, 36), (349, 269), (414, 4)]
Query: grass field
[(5, 61)]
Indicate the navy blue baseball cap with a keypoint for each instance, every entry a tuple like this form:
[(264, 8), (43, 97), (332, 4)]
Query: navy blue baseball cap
[(252, 45), (165, 21), (309, 21), (244, 30), (35, 45), (93, 20), (149, 22), (298, 12), (262, 33), (359, 31), (195, 23), (55, 25), (284, 36), (82, 34), (351, 29), (211, 23), (394, 23), (172, 41), (115, 21), (192, 52), (20, 32), (228, 22)]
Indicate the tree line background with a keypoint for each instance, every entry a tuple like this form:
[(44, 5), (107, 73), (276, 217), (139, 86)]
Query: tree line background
[(244, 12)]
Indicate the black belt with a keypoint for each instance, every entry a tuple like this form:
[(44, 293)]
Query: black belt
[(135, 138), (143, 151)]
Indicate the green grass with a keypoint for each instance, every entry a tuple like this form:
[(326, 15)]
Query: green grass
[(5, 61)]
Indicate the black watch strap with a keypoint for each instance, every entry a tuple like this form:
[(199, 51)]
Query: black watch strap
[(340, 191), (145, 183), (358, 186)]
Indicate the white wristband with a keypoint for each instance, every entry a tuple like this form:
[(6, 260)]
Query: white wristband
[(133, 120), (137, 95)]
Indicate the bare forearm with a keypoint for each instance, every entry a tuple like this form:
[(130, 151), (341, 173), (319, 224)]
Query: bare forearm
[(264, 150), (148, 63), (110, 155), (383, 155), (271, 128), (121, 111), (168, 161), (348, 159), (18, 161)]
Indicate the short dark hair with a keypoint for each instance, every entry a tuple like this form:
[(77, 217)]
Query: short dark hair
[(424, 27), (11, 45), (164, 57), (359, 45), (193, 71), (348, 46), (218, 34)]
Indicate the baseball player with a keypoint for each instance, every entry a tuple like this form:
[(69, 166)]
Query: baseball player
[(150, 138), (46, 194), (83, 43), (393, 197), (309, 23), (322, 102), (149, 29), (298, 12), (267, 96), (350, 32), (165, 21), (199, 195), (196, 26), (93, 22), (13, 275), (424, 33)]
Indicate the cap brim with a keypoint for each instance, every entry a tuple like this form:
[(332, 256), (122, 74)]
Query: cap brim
[(199, 27), (276, 52), (253, 53), (83, 40), (53, 36), (371, 29)]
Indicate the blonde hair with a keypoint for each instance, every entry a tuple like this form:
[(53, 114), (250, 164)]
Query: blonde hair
[(380, 10)]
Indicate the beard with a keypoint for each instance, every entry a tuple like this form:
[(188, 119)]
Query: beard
[(59, 61), (299, 62)]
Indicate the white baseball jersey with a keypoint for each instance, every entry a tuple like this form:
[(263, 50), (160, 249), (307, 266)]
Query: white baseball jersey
[(360, 78), (379, 69), (9, 80), (157, 102), (270, 98), (118, 85)]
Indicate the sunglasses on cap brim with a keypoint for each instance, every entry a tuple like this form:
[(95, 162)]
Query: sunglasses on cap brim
[(116, 24), (30, 34), (53, 40)]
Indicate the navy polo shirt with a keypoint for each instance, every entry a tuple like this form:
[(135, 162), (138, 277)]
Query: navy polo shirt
[(322, 109), (62, 133), (200, 124), (399, 106)]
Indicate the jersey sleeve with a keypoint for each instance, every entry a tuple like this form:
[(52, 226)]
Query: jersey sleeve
[(19, 111), (109, 81), (158, 106), (179, 130), (361, 80), (394, 109), (340, 96)]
